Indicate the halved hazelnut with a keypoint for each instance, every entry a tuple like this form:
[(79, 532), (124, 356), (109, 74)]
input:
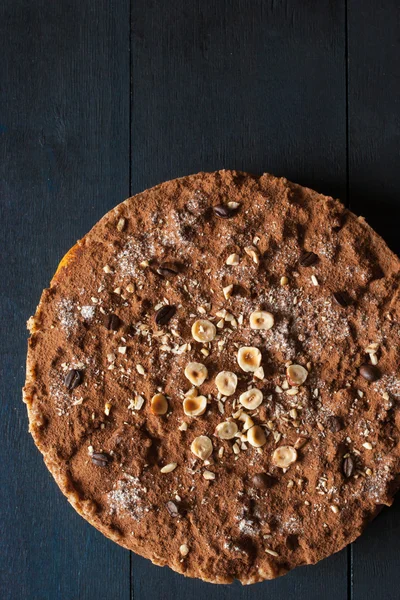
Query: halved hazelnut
[(195, 407), (159, 404), (202, 447), (251, 399), (256, 436), (226, 430), (296, 374), (261, 319), (249, 358), (196, 373), (226, 382), (284, 456), (203, 331)]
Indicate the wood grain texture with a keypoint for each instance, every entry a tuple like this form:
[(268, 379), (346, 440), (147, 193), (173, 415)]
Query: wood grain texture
[(258, 86), (374, 153), (64, 131)]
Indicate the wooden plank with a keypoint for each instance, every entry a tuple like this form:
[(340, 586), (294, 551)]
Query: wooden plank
[(258, 86), (374, 134), (64, 130)]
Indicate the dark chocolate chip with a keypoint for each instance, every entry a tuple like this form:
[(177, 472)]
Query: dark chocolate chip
[(112, 322), (335, 424), (72, 379), (348, 466), (165, 314), (172, 509), (370, 372), (341, 298), (223, 211), (261, 481), (168, 269), (100, 459), (307, 259)]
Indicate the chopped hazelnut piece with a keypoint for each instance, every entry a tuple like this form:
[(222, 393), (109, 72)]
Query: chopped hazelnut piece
[(107, 408), (121, 224), (284, 280), (196, 373), (202, 447), (261, 319), (233, 259), (259, 373), (226, 383), (159, 404), (367, 445), (247, 420), (284, 456), (195, 407), (251, 399), (209, 475), (256, 436), (228, 291), (184, 550), (203, 331), (249, 358), (253, 253), (168, 468)]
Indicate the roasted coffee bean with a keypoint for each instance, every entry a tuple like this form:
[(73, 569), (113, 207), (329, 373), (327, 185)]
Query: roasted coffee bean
[(72, 379), (307, 259), (335, 424), (112, 322), (172, 509), (261, 481), (165, 314), (341, 298), (100, 459), (370, 372), (224, 212), (168, 270), (348, 466)]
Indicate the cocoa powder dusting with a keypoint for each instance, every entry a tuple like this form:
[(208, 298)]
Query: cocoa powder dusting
[(286, 291)]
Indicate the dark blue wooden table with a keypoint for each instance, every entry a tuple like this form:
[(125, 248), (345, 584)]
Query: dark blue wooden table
[(103, 98)]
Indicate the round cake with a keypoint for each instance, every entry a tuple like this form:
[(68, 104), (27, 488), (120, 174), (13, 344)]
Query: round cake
[(212, 376)]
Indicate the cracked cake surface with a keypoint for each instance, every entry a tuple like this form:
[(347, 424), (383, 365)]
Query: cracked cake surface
[(212, 375)]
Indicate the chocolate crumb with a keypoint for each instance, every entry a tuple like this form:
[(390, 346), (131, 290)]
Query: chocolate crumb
[(112, 322), (335, 424), (172, 509), (308, 259), (370, 372), (348, 466), (168, 269), (261, 481), (225, 212), (341, 298), (100, 459), (165, 314), (72, 379)]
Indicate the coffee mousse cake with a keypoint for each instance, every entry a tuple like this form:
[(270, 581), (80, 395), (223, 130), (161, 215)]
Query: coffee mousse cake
[(212, 376)]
